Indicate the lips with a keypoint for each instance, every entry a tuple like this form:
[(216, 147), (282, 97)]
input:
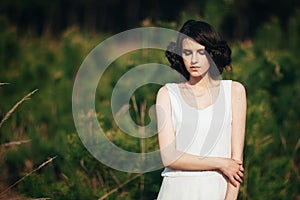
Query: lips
[(194, 68)]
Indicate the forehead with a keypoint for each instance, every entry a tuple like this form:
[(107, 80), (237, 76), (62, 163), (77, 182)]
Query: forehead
[(188, 43)]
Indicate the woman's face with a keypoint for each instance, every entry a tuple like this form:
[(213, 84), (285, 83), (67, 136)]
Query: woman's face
[(194, 58)]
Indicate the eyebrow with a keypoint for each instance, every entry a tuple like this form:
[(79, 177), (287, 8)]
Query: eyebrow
[(191, 49)]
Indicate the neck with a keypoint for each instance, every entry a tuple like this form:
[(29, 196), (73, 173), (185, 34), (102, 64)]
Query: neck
[(201, 81)]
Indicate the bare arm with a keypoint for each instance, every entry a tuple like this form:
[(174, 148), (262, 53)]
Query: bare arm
[(175, 159), (239, 109)]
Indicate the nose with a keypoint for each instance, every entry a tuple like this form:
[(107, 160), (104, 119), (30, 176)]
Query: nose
[(194, 59)]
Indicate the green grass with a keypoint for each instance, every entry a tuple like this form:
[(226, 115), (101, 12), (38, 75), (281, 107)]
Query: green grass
[(267, 66)]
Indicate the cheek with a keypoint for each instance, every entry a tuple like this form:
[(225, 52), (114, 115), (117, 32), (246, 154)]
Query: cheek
[(204, 60), (186, 59)]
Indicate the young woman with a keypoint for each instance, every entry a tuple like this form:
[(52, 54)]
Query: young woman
[(201, 121)]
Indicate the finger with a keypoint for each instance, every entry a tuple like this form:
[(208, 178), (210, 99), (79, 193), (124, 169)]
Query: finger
[(242, 168), (240, 174), (238, 178), (233, 181)]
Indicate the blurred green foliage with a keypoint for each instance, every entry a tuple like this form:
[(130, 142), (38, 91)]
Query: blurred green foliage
[(267, 65)]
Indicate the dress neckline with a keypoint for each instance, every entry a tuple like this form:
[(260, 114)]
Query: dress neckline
[(200, 109)]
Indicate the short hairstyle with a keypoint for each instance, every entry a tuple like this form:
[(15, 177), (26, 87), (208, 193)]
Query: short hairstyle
[(216, 48)]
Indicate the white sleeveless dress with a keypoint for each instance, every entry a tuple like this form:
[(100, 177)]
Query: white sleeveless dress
[(206, 133)]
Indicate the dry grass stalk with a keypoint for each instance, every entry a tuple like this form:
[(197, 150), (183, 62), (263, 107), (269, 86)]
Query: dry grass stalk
[(142, 139), (13, 143), (140, 115), (16, 106), (3, 84), (120, 186), (100, 179), (3, 193), (114, 177), (135, 107)]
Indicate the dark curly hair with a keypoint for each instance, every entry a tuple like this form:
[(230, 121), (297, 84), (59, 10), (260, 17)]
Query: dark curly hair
[(217, 50)]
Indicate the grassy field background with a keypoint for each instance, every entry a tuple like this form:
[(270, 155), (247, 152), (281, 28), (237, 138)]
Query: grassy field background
[(41, 148)]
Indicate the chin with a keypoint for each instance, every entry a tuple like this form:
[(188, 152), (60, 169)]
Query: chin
[(196, 75)]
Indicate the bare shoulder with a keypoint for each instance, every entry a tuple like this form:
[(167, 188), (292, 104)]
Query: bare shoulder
[(238, 89), (162, 95), (163, 91)]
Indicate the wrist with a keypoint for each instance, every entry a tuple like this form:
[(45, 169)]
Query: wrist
[(218, 164)]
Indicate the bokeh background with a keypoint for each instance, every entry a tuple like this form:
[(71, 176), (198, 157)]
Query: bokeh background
[(42, 45)]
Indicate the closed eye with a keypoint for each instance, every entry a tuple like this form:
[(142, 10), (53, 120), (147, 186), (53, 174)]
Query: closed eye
[(201, 51), (186, 52)]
